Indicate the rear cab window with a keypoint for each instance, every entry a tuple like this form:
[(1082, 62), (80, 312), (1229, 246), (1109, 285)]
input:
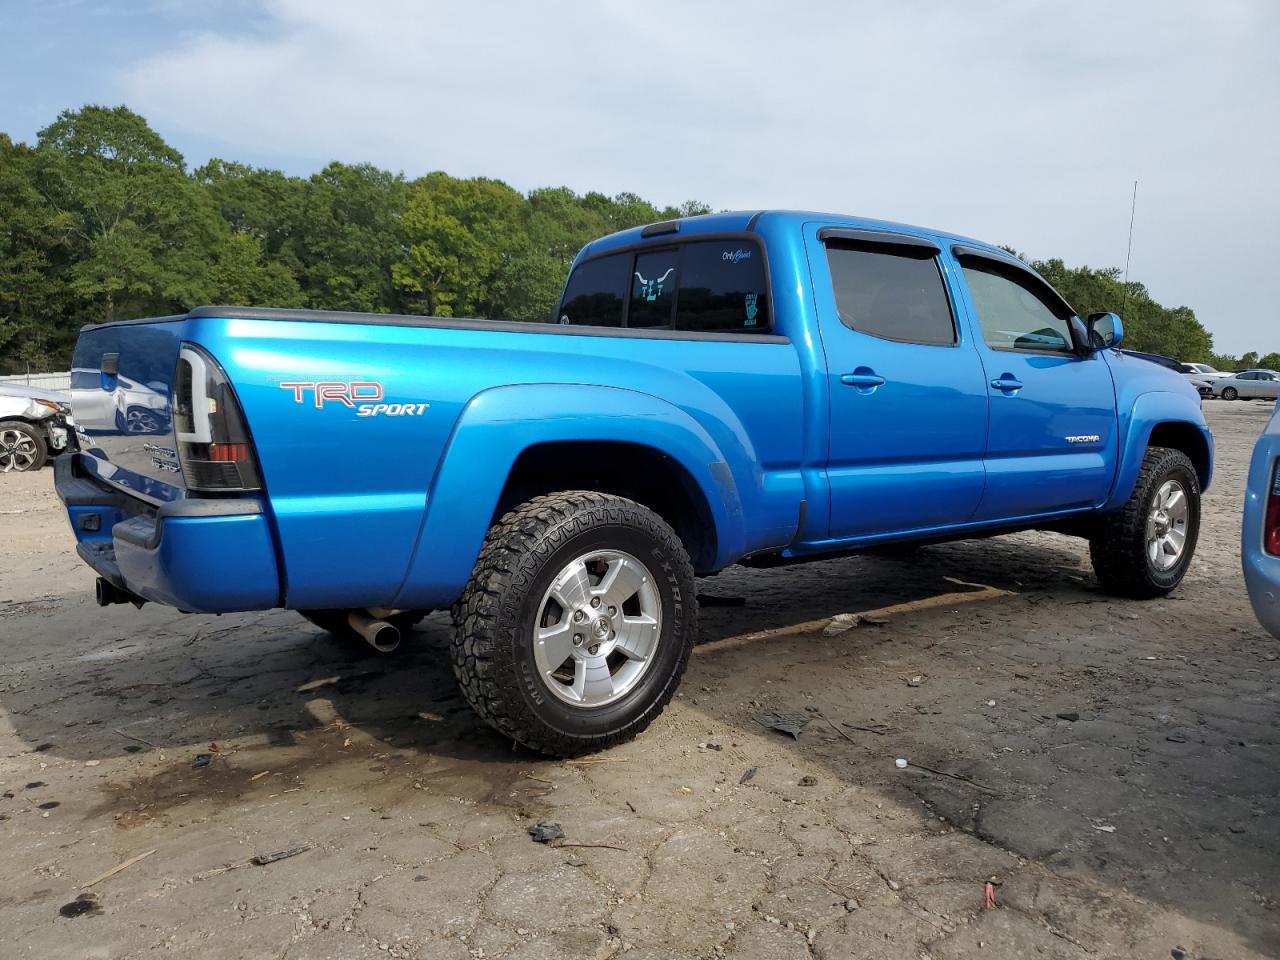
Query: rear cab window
[(714, 286)]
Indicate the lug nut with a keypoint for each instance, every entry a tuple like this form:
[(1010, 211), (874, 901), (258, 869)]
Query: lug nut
[(595, 601), (578, 616), (613, 611), (593, 649), (577, 639)]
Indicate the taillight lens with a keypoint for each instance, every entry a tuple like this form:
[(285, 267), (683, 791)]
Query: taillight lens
[(1271, 532), (214, 446)]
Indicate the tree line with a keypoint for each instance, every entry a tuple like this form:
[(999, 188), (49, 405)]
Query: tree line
[(101, 219)]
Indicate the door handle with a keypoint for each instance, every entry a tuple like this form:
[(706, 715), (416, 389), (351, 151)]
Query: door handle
[(863, 378), (1008, 382)]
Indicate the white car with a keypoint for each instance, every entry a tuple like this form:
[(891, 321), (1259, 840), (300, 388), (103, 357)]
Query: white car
[(1201, 376), (33, 427), (1248, 385)]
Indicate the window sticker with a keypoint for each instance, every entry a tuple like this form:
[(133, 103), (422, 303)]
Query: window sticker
[(652, 289), (752, 309)]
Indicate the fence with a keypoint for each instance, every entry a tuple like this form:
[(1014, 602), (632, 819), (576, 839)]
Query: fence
[(50, 381)]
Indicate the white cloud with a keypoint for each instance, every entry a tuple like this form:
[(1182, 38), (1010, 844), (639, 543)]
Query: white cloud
[(1022, 124)]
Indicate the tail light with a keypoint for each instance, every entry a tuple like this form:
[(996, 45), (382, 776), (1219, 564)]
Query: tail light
[(214, 446), (1271, 532)]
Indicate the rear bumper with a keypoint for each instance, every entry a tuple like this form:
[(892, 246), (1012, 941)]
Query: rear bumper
[(208, 556)]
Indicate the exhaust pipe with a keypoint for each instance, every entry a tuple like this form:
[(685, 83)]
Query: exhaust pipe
[(107, 593), (380, 635)]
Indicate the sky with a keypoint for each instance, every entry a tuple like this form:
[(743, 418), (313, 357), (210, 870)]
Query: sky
[(1021, 123)]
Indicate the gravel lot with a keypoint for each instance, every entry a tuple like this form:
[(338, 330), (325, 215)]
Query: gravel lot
[(1113, 768)]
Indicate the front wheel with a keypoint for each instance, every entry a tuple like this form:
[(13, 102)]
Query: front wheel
[(1230, 393), (1143, 551), (21, 447), (577, 623)]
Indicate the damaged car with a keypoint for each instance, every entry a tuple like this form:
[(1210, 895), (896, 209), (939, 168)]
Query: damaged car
[(33, 426)]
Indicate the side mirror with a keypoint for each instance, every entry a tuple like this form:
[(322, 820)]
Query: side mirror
[(1105, 331)]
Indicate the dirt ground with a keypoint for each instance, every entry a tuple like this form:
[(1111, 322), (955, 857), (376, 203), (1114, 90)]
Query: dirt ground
[(1112, 767)]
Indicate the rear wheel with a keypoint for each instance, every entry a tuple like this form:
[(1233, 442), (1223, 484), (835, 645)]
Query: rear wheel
[(1143, 551), (577, 623), (21, 447)]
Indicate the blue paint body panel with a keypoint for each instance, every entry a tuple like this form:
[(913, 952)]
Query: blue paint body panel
[(1262, 569), (786, 455)]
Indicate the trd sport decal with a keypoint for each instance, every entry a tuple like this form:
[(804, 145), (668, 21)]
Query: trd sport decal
[(360, 395)]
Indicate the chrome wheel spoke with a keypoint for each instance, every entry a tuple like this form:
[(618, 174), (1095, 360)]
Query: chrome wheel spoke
[(623, 581), (556, 642), (637, 637), (592, 680), (572, 588)]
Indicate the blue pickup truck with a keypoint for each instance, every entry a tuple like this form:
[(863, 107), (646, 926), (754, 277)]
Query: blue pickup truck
[(755, 388)]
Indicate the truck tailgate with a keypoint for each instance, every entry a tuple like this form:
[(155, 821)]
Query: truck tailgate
[(121, 401)]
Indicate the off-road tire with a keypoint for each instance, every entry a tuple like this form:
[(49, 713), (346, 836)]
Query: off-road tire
[(1118, 547), (1230, 393), (335, 622), (493, 621), (41, 455)]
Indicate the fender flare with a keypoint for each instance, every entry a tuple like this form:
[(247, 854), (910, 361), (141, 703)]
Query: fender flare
[(498, 424), (1149, 411)]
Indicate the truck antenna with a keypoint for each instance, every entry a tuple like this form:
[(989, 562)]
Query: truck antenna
[(1133, 209)]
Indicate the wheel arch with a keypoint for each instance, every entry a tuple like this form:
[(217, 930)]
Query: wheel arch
[(1171, 420), (505, 444), (639, 472)]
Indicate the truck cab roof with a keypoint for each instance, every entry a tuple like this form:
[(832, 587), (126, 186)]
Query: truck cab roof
[(746, 221)]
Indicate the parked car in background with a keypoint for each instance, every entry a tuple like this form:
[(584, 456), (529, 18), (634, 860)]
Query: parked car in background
[(33, 426), (1201, 371), (1248, 385), (1260, 537), (1201, 376)]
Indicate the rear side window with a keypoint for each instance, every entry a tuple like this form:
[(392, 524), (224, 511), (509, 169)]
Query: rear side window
[(594, 294), (722, 288), (702, 286), (894, 293)]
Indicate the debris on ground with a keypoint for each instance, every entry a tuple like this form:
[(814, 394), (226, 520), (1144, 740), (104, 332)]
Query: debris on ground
[(989, 902), (844, 622), (85, 904), (262, 859), (851, 905), (789, 723), (916, 680), (751, 772), (575, 862), (1070, 716), (202, 760), (901, 763), (543, 832), (114, 870), (317, 683), (808, 781)]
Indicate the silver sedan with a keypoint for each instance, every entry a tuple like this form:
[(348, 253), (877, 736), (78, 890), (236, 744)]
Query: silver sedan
[(1248, 385)]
